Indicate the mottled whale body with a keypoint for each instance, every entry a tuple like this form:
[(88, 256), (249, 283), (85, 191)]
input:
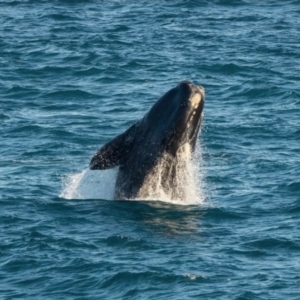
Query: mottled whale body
[(150, 153)]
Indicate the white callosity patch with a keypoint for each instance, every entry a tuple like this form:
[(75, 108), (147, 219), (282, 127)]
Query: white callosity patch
[(202, 91), (195, 100)]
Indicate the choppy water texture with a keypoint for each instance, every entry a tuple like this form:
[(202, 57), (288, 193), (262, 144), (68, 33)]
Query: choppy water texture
[(73, 74)]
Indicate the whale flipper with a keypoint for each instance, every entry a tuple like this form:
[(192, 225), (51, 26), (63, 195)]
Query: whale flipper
[(114, 152)]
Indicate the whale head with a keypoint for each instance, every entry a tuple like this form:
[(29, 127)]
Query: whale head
[(175, 118), (172, 122)]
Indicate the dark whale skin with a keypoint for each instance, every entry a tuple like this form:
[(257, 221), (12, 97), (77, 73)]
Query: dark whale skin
[(174, 120)]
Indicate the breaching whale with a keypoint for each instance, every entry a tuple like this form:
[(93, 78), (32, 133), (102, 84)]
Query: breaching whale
[(152, 151)]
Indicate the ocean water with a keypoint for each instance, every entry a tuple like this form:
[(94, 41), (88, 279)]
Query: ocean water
[(74, 74)]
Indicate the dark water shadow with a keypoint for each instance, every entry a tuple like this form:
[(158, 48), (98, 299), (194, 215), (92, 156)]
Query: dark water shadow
[(151, 216), (161, 217)]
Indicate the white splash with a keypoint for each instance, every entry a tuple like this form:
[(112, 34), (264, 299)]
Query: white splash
[(186, 187), (89, 185)]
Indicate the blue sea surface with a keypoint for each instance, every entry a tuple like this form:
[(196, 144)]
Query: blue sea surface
[(74, 74)]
